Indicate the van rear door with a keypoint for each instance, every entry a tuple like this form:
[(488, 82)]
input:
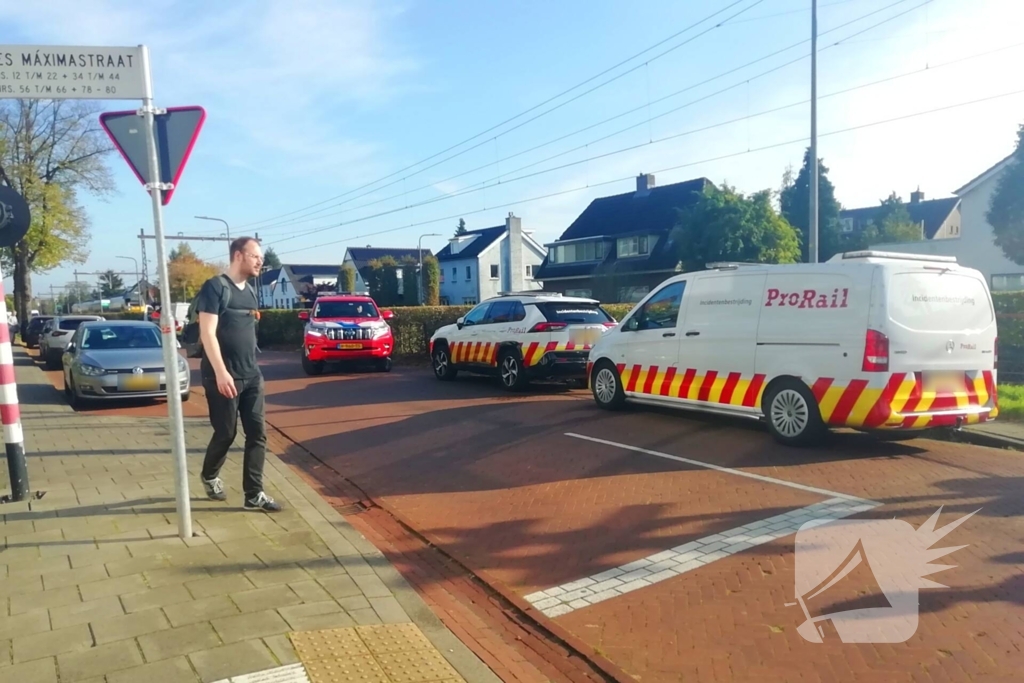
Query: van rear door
[(939, 320)]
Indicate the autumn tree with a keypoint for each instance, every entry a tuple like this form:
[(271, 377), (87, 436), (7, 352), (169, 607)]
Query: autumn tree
[(347, 278), (51, 151), (186, 272), (1006, 209), (110, 284), (725, 225)]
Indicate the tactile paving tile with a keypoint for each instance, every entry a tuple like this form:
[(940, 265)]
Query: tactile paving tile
[(389, 638), (358, 669), (336, 643), (417, 666)]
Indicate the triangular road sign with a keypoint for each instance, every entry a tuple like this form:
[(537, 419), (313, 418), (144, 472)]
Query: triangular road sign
[(176, 133)]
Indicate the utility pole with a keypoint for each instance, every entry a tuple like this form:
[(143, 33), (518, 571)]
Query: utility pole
[(812, 241)]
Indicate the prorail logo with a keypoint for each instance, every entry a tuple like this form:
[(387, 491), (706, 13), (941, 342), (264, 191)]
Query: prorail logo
[(808, 298)]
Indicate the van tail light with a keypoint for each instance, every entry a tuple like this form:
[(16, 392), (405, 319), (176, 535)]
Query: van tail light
[(995, 354), (548, 327), (876, 352)]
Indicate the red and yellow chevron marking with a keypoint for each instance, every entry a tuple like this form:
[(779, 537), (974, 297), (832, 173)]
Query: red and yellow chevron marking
[(485, 353), (887, 402), (534, 351)]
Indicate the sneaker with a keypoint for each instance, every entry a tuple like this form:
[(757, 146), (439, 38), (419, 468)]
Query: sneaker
[(215, 489), (262, 502)]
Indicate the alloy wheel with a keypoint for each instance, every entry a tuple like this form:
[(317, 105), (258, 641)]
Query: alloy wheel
[(509, 371), (605, 385), (790, 414)]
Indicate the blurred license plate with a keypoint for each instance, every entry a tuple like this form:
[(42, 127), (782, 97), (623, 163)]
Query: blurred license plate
[(350, 345), (141, 383), (943, 381), (585, 336)]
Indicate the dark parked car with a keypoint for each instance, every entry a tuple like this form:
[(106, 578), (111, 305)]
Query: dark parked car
[(32, 330)]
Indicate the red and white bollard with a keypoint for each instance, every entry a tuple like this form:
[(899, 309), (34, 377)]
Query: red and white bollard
[(10, 414)]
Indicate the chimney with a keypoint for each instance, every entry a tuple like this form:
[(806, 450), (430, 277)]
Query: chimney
[(514, 225), (644, 183), (917, 197)]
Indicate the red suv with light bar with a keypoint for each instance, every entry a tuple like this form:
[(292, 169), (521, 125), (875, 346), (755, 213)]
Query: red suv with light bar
[(522, 337), (346, 328)]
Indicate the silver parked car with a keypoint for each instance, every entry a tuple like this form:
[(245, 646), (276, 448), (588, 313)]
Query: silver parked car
[(56, 334), (112, 359)]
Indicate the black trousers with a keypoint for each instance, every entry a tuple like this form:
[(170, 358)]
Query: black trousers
[(224, 414)]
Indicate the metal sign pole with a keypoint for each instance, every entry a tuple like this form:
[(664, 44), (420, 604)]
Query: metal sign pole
[(167, 327)]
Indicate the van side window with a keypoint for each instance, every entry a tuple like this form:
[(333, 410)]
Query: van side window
[(661, 310)]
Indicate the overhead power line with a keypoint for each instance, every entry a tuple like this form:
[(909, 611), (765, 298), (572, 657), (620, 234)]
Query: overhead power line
[(666, 170), (541, 104), (312, 216)]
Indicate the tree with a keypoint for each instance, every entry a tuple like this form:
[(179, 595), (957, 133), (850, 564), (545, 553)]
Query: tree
[(431, 281), (347, 278), (389, 282), (795, 205), (893, 225), (186, 272), (110, 284), (373, 276), (270, 258), (461, 230), (724, 225), (50, 151), (1006, 209), (410, 281)]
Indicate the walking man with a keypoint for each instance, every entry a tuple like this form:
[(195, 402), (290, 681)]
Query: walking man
[(233, 382)]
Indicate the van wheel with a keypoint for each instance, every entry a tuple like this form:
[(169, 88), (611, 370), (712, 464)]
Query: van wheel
[(441, 360), (607, 386), (792, 414), (512, 372)]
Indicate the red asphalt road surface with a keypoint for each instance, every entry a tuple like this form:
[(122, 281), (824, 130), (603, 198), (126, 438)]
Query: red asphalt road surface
[(494, 481)]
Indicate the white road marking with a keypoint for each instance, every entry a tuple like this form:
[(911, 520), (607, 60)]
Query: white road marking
[(669, 564), (719, 468)]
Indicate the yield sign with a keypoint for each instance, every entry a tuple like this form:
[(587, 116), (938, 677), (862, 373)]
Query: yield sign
[(176, 132)]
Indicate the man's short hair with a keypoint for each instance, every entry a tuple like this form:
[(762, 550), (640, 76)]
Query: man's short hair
[(237, 245)]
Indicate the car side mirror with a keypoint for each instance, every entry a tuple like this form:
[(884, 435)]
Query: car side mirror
[(303, 315), (460, 322), (387, 315), (633, 325)]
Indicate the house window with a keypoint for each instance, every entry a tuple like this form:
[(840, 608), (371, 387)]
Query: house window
[(284, 286), (468, 301), (581, 251), (847, 224), (582, 293), (455, 274), (440, 273), (469, 273), (632, 295), (638, 245), (494, 272), (529, 271), (1008, 283)]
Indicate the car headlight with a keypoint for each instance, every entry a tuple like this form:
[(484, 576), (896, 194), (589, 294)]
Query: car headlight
[(91, 370), (182, 365), (316, 330), (380, 331)]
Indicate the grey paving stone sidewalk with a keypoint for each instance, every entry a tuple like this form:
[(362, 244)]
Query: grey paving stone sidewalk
[(96, 585)]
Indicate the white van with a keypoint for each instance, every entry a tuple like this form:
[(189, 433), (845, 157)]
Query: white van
[(868, 340)]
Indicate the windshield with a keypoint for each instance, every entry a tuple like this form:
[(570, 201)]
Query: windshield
[(121, 337), (575, 313), (72, 323), (345, 309), (37, 323)]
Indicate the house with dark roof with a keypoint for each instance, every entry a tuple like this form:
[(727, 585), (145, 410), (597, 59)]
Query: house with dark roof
[(268, 285), (481, 264), (974, 245), (359, 257), (296, 285), (620, 246), (938, 218)]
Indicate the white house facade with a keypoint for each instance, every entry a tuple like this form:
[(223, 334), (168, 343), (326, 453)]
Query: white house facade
[(975, 246), (483, 263)]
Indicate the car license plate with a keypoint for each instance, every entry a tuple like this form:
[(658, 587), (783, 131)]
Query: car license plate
[(141, 383), (350, 345), (944, 381), (587, 336)]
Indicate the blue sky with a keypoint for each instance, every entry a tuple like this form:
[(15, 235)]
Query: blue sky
[(312, 99)]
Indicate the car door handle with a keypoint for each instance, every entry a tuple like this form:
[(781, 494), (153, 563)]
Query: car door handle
[(692, 333), (669, 334)]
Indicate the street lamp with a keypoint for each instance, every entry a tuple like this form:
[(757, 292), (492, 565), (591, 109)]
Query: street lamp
[(419, 254), (226, 226)]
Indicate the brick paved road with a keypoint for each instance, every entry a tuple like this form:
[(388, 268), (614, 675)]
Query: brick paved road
[(495, 482)]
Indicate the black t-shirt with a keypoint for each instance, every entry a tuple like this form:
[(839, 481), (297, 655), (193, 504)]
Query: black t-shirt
[(236, 326)]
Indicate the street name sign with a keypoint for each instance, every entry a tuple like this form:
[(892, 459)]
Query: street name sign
[(176, 131), (72, 73)]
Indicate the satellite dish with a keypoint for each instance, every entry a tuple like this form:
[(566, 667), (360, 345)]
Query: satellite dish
[(15, 217)]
